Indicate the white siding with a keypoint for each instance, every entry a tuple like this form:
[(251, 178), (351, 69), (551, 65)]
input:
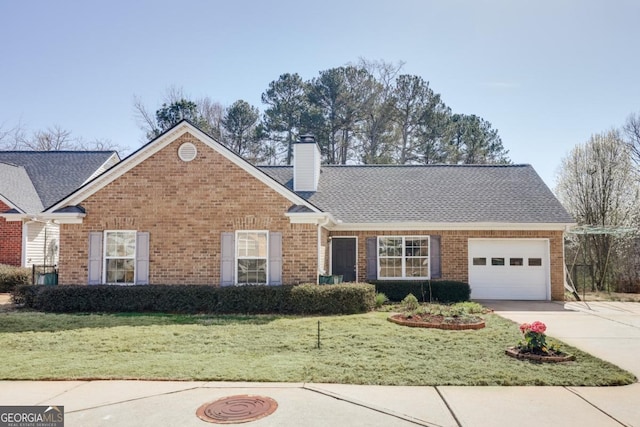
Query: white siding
[(306, 166), (42, 242)]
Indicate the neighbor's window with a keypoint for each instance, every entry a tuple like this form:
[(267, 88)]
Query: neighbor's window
[(497, 261), (120, 256), (251, 256), (516, 261), (479, 261), (535, 262), (403, 257)]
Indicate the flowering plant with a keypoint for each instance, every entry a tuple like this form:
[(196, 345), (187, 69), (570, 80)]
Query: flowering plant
[(535, 340)]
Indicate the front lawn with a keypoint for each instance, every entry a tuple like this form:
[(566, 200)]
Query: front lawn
[(357, 349)]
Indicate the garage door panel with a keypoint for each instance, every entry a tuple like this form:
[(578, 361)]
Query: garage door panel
[(509, 281)]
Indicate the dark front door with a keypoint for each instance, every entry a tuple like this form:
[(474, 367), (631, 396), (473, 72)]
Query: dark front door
[(343, 258)]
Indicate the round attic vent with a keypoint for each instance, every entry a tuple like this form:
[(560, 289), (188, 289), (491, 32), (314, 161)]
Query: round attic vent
[(187, 152)]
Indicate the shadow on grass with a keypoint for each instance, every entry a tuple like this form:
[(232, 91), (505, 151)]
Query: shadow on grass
[(22, 320)]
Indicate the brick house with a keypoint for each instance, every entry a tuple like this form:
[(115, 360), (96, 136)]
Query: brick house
[(30, 181), (184, 209)]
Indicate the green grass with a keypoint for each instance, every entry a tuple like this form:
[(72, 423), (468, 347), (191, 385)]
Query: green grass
[(357, 349)]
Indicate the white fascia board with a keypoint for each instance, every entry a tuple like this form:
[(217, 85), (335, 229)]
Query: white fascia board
[(153, 147), (466, 226), (58, 218), (15, 216), (318, 218)]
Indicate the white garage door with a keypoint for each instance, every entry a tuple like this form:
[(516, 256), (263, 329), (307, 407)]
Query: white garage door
[(516, 269)]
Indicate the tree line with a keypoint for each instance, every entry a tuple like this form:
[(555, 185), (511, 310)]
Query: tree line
[(364, 113), (368, 113), (599, 184)]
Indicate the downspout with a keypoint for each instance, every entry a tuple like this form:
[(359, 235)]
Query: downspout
[(320, 260)]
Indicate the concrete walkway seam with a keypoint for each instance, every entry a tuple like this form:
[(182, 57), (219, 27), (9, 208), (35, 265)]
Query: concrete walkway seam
[(448, 407), (60, 394), (132, 400), (594, 406), (371, 407)]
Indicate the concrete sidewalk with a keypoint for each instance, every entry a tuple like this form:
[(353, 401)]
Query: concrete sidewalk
[(610, 331), (149, 403)]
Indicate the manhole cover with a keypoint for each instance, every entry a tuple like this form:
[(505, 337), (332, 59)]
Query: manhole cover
[(237, 409)]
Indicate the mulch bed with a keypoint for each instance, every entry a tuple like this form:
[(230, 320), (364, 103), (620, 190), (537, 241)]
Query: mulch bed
[(551, 357), (457, 323)]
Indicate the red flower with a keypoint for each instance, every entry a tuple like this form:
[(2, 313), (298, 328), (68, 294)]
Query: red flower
[(538, 327), (525, 327)]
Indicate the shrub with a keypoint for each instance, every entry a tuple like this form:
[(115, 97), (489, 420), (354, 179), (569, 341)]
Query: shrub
[(445, 291), (410, 303), (192, 299), (348, 298), (11, 276), (381, 299), (25, 295)]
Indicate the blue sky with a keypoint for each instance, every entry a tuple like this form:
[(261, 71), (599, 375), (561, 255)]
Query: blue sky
[(546, 74)]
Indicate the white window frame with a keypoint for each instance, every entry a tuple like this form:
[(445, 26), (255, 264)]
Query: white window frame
[(404, 258), (238, 257), (105, 257)]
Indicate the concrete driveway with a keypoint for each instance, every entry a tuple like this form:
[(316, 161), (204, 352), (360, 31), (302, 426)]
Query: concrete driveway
[(608, 330)]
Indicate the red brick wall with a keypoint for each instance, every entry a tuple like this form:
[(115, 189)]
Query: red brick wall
[(454, 251), (185, 207), (10, 240)]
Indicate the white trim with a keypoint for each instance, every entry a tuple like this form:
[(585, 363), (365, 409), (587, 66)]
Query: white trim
[(468, 226), (104, 257), (236, 257), (160, 143), (403, 257), (9, 203), (110, 162), (331, 238), (317, 218), (23, 255)]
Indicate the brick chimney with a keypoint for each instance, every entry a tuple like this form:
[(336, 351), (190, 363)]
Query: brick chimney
[(306, 164)]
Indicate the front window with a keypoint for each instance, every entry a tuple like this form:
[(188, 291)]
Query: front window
[(251, 256), (401, 257), (120, 256)]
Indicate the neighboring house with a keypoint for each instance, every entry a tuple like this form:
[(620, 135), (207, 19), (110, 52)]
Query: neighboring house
[(30, 181), (184, 209)]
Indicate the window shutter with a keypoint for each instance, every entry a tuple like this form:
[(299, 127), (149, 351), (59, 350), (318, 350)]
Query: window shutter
[(434, 255), (95, 258), (227, 256), (142, 258), (275, 258), (372, 258)]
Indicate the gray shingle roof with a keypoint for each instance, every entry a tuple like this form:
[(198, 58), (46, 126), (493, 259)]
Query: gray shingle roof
[(432, 193), (55, 174), (16, 187)]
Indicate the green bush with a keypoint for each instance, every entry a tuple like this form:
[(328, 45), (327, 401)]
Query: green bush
[(11, 276), (332, 299), (445, 291), (192, 299)]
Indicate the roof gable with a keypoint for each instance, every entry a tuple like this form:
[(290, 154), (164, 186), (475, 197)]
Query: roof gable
[(162, 142), (55, 174)]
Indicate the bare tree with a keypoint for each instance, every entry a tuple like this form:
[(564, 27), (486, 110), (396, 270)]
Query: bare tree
[(598, 185), (176, 105), (631, 129), (54, 138)]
